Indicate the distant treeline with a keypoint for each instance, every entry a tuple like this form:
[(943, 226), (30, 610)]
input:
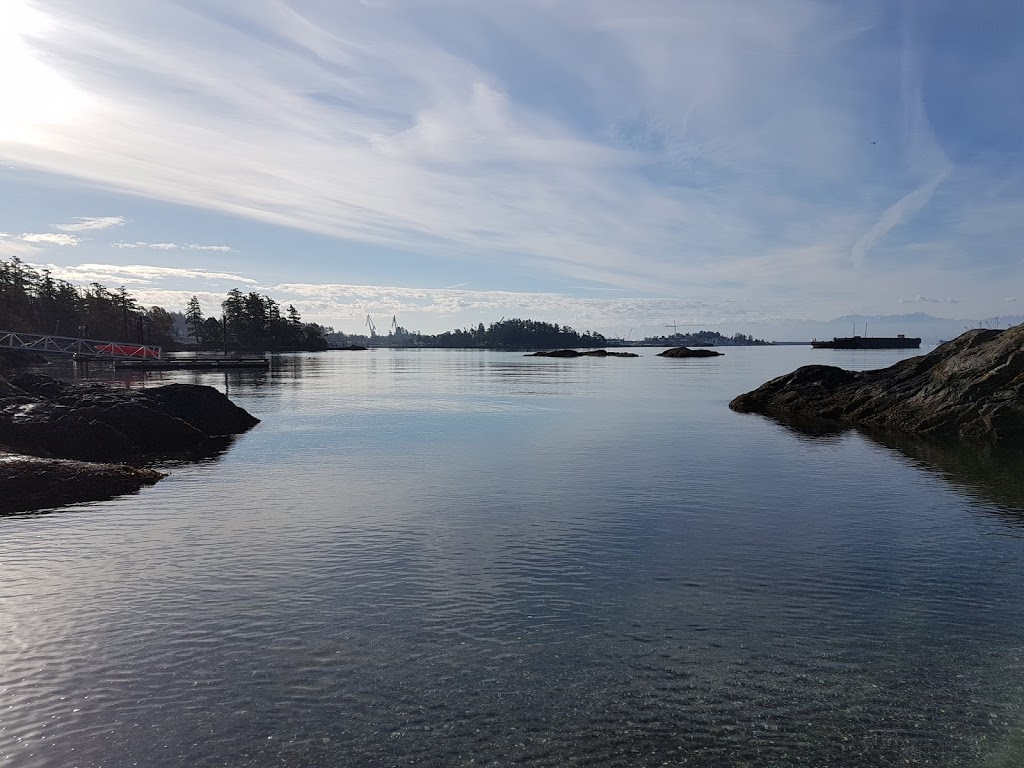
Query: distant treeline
[(512, 334), (33, 301), (702, 339), (532, 334)]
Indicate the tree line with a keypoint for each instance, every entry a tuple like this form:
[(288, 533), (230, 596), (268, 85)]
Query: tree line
[(514, 334), (253, 321), (33, 301), (702, 339)]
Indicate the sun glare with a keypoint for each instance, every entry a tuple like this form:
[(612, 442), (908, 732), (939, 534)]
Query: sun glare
[(33, 95)]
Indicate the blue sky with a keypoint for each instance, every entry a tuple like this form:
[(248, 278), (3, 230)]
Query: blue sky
[(604, 164)]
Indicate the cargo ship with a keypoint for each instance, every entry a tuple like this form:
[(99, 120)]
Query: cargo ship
[(869, 342)]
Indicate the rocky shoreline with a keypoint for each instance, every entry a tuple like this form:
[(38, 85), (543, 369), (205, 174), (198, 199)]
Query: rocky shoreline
[(970, 389), (65, 442)]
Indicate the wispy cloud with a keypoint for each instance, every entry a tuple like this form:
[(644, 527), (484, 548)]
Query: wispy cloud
[(91, 223), (924, 157), (443, 307), (677, 149), (642, 167), (175, 246), (49, 238), (930, 300), (139, 274)]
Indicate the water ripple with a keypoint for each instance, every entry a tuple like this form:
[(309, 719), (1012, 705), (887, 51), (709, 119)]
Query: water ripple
[(480, 560)]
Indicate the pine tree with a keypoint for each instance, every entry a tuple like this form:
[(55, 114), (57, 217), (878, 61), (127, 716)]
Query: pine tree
[(194, 319)]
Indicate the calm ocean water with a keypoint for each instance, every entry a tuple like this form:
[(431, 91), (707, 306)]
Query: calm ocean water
[(454, 558)]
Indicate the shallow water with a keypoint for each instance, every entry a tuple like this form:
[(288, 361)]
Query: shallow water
[(477, 558)]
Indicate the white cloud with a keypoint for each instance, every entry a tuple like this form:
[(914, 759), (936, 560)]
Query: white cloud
[(443, 308), (919, 299), (138, 274), (89, 223), (11, 247), (49, 238), (174, 246)]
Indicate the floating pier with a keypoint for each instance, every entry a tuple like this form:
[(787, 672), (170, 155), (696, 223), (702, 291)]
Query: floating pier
[(193, 363)]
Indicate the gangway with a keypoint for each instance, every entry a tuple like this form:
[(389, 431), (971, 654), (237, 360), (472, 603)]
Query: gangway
[(69, 345)]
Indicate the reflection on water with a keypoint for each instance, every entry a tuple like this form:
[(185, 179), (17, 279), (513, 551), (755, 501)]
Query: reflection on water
[(992, 475), (456, 558)]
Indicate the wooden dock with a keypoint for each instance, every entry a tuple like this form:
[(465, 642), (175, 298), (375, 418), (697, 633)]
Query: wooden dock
[(193, 364)]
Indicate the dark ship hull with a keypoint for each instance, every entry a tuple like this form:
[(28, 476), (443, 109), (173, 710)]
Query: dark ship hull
[(869, 342)]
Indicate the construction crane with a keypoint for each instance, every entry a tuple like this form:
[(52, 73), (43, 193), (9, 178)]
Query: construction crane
[(676, 326), (371, 326)]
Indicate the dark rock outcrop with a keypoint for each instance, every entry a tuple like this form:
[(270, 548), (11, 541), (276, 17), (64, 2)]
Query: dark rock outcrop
[(31, 483), (577, 353), (687, 352), (53, 421), (971, 389), (96, 422), (12, 360)]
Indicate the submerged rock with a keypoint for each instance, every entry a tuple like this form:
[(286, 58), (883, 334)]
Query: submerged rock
[(577, 353), (971, 388), (687, 352)]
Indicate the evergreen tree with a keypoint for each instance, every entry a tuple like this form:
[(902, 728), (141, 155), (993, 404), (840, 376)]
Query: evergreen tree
[(194, 319)]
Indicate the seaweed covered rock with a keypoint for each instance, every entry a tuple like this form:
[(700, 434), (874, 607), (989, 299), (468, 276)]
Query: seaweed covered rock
[(971, 388)]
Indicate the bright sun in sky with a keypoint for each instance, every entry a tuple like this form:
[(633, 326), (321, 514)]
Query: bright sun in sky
[(33, 96)]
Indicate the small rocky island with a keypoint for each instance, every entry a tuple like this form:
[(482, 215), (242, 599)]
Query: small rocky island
[(577, 353), (969, 389), (687, 352), (62, 442)]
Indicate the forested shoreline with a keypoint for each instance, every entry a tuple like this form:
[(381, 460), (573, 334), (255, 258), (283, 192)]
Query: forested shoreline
[(33, 301)]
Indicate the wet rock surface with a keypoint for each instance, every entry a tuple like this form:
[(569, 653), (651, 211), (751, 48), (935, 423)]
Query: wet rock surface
[(44, 416), (30, 483), (48, 419), (969, 389)]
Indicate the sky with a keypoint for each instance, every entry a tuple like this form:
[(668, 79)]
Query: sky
[(610, 165)]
